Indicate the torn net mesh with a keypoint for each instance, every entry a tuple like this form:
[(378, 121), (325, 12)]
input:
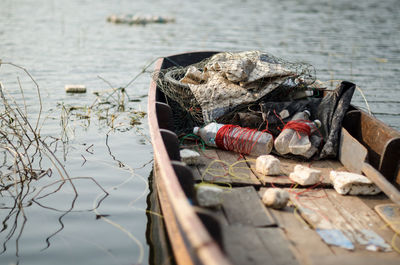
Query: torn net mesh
[(217, 87)]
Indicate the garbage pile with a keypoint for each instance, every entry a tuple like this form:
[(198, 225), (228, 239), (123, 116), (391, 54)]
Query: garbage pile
[(241, 99), (139, 20)]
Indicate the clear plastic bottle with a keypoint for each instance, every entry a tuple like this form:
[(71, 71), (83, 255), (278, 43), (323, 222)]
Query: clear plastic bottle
[(300, 142), (282, 141), (239, 139), (208, 133)]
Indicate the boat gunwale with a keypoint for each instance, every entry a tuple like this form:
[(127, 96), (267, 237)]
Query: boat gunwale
[(198, 237)]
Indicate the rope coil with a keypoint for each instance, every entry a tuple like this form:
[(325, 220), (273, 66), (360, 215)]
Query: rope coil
[(236, 138)]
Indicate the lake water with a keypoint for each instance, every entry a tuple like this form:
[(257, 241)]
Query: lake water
[(70, 42)]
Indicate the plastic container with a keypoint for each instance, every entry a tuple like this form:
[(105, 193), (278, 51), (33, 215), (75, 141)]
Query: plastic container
[(282, 141), (238, 139), (300, 142)]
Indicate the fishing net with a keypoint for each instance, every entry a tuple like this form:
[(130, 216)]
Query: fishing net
[(217, 87), (254, 90)]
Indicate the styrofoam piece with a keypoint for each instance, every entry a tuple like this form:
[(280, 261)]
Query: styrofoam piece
[(352, 183), (190, 157), (276, 198), (75, 88), (209, 195), (305, 175), (268, 165)]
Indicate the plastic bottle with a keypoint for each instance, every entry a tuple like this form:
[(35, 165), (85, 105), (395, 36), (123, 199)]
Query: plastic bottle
[(282, 141), (208, 133), (238, 139), (300, 142)]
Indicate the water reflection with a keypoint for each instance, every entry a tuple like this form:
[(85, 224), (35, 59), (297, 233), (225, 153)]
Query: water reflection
[(28, 160), (156, 235)]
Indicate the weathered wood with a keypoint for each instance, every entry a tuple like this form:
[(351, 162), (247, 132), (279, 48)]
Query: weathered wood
[(242, 206), (328, 210), (372, 133), (213, 224), (254, 246), (389, 164), (181, 253), (304, 240), (277, 246), (156, 234), (197, 236), (170, 140), (287, 166), (352, 154), (352, 259), (380, 181), (239, 172), (213, 170), (164, 116), (185, 177)]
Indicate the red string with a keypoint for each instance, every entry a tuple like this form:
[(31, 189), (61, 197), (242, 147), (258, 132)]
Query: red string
[(235, 138), (301, 126)]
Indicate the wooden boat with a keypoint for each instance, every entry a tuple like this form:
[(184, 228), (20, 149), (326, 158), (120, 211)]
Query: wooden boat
[(244, 231)]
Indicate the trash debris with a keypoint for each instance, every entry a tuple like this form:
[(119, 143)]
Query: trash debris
[(75, 88), (139, 20), (330, 112), (281, 143), (235, 138), (268, 165), (352, 183), (373, 241), (190, 157), (305, 175), (209, 195), (300, 142), (335, 237), (257, 90), (275, 198)]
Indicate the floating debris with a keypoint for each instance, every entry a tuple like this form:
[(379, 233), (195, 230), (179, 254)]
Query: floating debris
[(139, 20), (75, 88)]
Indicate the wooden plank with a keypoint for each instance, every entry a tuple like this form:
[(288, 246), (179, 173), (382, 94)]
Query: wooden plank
[(257, 246), (196, 173), (277, 246), (352, 259), (242, 206), (352, 154), (327, 210), (239, 172), (213, 170), (182, 256), (287, 166), (160, 247), (242, 246), (375, 176), (304, 240)]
